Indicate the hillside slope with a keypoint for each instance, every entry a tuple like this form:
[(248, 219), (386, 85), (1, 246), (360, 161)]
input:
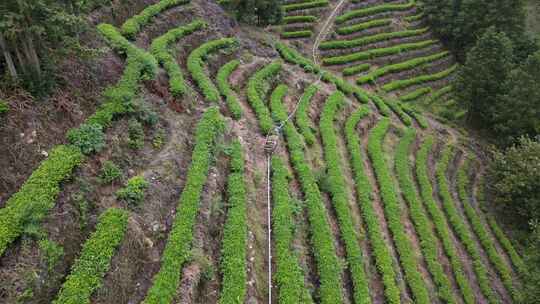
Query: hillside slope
[(371, 201)]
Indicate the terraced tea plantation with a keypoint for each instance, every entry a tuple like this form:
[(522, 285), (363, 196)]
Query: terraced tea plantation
[(273, 175)]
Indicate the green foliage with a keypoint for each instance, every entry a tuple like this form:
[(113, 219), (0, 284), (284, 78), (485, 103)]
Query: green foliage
[(195, 65), (133, 192), (340, 198), (370, 10), (414, 95), (110, 172), (256, 92), (428, 241), (38, 194), (178, 247), (133, 25), (521, 91), (401, 66), (135, 134), (491, 57), (514, 180), (366, 40), (87, 137), (414, 18), (405, 83), (378, 52), (297, 34), (302, 118), (396, 108), (460, 23), (260, 12), (139, 66), (392, 211), (531, 281), (355, 69), (459, 226), (159, 139), (94, 261), (351, 29), (382, 105), (435, 96), (419, 117), (160, 49), (292, 56), (304, 5), (50, 252), (289, 275), (4, 107), (299, 19), (463, 184), (383, 258), (439, 220), (223, 84), (328, 266), (234, 248)]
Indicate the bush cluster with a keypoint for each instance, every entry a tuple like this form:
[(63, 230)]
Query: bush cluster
[(195, 65), (4, 107), (160, 50), (340, 198), (487, 243), (233, 250), (379, 52), (289, 275), (516, 260), (439, 220), (401, 66), (365, 40), (304, 5), (459, 226), (95, 259), (419, 117), (302, 118), (135, 138), (414, 18), (440, 93), (328, 266), (256, 91), (351, 29), (140, 65), (297, 34), (38, 194), (392, 210), (371, 10), (133, 25), (396, 108), (133, 192), (87, 137), (381, 253), (422, 225), (404, 83), (353, 70), (381, 105), (110, 172), (223, 85), (299, 19), (414, 95), (177, 249)]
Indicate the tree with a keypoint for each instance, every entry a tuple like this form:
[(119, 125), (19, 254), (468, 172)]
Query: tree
[(479, 81), (514, 180), (460, 22), (517, 111), (260, 12)]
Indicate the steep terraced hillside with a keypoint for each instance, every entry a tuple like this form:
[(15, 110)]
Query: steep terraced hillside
[(260, 174)]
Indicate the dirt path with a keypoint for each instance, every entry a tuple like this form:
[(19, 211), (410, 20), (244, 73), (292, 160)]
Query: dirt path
[(324, 31)]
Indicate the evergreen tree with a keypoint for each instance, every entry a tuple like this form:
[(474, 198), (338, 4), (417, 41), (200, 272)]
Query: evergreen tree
[(260, 12), (517, 111), (480, 80)]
